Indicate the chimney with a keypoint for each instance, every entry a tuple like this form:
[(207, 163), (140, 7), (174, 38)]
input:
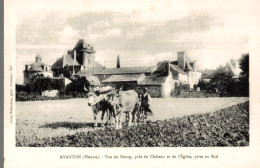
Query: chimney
[(118, 62), (26, 67), (181, 59), (105, 65)]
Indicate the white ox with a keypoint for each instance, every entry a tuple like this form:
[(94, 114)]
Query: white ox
[(124, 101)]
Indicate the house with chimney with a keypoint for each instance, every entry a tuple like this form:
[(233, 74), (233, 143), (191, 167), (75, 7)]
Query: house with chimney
[(154, 78), (80, 61)]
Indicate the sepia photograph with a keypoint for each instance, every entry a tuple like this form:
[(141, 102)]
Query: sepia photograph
[(127, 74), (113, 79)]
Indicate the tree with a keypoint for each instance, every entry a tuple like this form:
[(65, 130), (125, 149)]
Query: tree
[(77, 85), (223, 82), (118, 62), (39, 83), (244, 65), (244, 75)]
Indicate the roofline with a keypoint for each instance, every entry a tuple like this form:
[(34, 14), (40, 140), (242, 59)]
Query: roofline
[(68, 66), (119, 73), (36, 71), (149, 84), (119, 81)]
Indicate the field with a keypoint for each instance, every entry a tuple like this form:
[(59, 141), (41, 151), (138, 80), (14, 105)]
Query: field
[(70, 123)]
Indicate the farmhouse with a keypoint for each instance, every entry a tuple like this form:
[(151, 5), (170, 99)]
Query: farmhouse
[(80, 61), (36, 68), (154, 78)]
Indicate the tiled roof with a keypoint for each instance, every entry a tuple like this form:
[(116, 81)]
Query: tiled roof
[(178, 69), (122, 78), (125, 70), (189, 67), (161, 67), (188, 63), (153, 80), (68, 61), (81, 44)]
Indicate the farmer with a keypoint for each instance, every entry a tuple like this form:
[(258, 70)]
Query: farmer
[(145, 102)]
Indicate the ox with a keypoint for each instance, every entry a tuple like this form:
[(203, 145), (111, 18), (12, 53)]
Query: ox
[(124, 101), (99, 102)]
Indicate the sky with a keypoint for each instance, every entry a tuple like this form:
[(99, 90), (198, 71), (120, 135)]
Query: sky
[(141, 32)]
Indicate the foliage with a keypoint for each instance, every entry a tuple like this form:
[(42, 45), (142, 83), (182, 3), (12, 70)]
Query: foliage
[(179, 89), (205, 86), (25, 96), (38, 84), (77, 86), (244, 66), (226, 127), (223, 82), (184, 91), (244, 75)]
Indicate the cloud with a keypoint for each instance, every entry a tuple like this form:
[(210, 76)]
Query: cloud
[(141, 35), (113, 33)]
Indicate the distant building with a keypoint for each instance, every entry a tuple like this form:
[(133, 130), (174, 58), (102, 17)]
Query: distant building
[(81, 57), (36, 68), (152, 77), (233, 68)]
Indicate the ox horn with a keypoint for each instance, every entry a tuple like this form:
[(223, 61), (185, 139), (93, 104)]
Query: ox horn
[(85, 88)]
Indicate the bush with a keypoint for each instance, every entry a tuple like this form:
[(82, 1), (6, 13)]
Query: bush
[(179, 89), (77, 86), (25, 96), (38, 84)]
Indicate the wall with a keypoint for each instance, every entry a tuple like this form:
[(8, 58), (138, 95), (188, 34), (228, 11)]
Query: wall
[(193, 78), (126, 85), (66, 73), (183, 78), (153, 90)]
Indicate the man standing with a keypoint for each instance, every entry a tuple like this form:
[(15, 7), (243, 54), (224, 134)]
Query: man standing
[(146, 101)]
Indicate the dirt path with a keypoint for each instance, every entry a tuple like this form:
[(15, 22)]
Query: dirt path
[(168, 108), (77, 110)]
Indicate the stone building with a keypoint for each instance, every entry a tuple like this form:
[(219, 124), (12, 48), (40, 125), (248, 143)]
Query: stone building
[(81, 57), (154, 78), (36, 68)]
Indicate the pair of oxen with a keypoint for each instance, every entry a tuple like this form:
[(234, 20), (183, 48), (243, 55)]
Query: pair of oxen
[(114, 103)]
